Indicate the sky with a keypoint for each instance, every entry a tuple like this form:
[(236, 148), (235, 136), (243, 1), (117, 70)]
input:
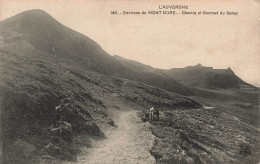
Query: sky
[(163, 41)]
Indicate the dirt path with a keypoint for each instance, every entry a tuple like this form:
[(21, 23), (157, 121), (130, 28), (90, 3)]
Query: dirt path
[(129, 143)]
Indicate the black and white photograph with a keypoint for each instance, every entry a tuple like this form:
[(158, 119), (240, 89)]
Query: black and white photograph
[(129, 82)]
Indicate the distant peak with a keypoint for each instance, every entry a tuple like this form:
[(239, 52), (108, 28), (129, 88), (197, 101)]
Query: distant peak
[(39, 11), (36, 13), (198, 65), (229, 69)]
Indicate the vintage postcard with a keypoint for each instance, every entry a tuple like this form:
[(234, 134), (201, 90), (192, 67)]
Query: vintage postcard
[(127, 82)]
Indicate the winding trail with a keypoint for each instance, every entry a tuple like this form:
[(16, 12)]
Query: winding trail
[(129, 143)]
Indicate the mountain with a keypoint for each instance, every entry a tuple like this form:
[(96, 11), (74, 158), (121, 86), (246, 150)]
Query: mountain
[(207, 77), (35, 29), (195, 76), (58, 86)]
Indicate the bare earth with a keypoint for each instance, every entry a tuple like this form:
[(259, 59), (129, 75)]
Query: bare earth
[(129, 143)]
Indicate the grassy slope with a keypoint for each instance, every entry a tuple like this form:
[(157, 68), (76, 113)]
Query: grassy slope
[(31, 88), (202, 136), (34, 83), (210, 135), (207, 136)]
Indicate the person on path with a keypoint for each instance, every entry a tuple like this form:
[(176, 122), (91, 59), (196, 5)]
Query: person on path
[(151, 113)]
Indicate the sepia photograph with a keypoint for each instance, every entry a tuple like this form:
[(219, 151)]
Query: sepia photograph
[(129, 82)]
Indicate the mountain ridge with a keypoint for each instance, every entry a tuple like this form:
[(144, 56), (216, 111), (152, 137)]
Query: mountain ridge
[(195, 76)]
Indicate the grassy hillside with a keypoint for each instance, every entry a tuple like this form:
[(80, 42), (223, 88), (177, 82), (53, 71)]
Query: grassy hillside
[(49, 105), (31, 89), (203, 136)]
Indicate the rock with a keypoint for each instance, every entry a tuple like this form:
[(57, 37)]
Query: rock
[(111, 122), (63, 129), (52, 149)]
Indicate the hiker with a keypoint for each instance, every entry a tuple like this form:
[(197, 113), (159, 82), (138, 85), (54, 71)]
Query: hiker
[(157, 113), (151, 113)]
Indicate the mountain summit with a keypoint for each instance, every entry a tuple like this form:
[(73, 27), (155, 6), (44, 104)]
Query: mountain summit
[(46, 34)]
